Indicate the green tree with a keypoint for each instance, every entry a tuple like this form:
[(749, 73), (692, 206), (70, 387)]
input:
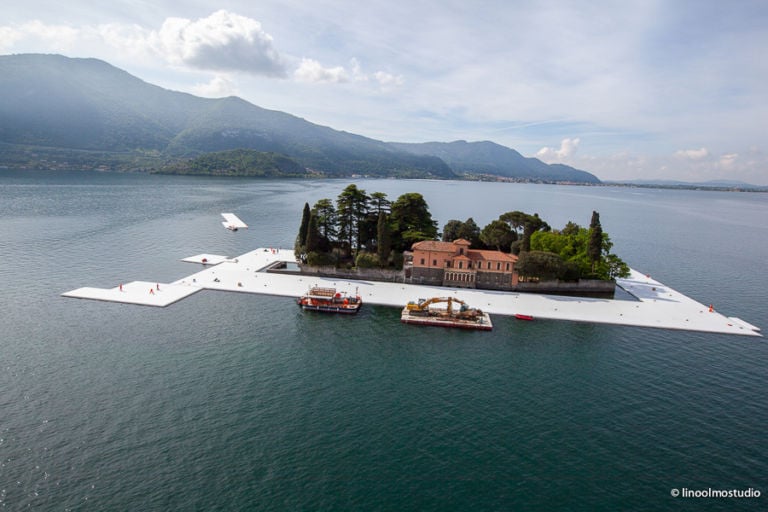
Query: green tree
[(470, 231), (366, 260), (411, 221), (352, 208), (326, 219), (384, 239), (570, 229), (595, 247), (368, 233), (312, 243), (498, 234), (524, 225), (573, 246), (515, 220), (532, 224), (451, 230), (615, 267), (301, 239), (380, 203), (543, 265)]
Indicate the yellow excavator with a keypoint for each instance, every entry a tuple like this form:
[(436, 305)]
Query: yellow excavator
[(422, 307)]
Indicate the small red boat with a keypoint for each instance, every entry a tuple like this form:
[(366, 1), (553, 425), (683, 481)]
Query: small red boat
[(520, 316)]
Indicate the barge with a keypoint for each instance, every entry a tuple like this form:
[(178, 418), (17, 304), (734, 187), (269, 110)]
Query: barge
[(445, 312), (328, 300)]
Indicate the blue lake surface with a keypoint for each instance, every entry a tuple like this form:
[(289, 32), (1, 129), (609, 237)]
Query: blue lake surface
[(230, 401)]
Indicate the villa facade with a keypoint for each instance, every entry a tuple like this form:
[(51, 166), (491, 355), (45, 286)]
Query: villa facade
[(455, 264)]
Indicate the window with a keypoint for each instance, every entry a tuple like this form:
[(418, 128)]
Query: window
[(498, 265), (422, 261), (489, 265), (461, 251), (448, 264), (507, 267), (460, 264), (434, 263)]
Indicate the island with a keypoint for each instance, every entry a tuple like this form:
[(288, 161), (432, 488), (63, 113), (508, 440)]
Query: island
[(362, 236)]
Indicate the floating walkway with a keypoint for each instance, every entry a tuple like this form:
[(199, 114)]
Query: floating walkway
[(657, 305)]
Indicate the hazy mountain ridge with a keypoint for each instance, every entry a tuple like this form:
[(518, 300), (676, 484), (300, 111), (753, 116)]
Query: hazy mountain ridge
[(490, 158), (54, 108), (675, 183)]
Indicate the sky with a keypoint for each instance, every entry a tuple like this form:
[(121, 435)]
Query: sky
[(633, 89)]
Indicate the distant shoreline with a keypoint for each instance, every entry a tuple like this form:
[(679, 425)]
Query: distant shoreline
[(466, 177)]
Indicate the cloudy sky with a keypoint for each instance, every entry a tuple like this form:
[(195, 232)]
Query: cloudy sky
[(632, 89)]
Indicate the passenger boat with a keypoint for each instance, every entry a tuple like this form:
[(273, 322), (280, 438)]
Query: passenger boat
[(329, 300), (456, 313)]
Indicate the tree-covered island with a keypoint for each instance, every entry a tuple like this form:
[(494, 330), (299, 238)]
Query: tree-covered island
[(360, 231)]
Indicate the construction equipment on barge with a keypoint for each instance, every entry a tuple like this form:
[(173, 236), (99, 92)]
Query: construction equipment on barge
[(456, 313), (329, 300)]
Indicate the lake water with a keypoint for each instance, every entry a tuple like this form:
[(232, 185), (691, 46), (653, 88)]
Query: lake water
[(230, 401)]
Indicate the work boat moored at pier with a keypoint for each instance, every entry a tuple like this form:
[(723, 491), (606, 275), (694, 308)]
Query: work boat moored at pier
[(329, 300), (445, 312)]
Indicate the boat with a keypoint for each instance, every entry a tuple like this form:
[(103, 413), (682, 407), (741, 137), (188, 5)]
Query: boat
[(521, 316), (455, 313), (329, 300)]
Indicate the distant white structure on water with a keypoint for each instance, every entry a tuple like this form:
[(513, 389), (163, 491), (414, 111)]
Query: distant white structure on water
[(232, 222)]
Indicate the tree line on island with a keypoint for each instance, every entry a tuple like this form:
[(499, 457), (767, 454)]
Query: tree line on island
[(370, 231)]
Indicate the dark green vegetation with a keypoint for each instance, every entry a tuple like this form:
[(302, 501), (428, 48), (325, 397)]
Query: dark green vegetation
[(238, 162), (583, 252), (62, 113), (370, 231), (363, 230), (569, 254)]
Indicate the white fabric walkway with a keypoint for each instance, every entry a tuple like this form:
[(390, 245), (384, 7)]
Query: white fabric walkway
[(657, 305)]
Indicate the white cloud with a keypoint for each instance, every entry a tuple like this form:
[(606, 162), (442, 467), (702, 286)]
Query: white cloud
[(567, 149), (222, 41), (728, 161), (218, 87), (692, 154), (748, 166), (8, 37), (311, 70), (357, 70), (39, 35), (388, 80), (130, 39)]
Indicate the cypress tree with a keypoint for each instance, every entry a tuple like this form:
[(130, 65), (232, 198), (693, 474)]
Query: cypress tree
[(595, 245), (300, 246), (312, 243), (384, 237)]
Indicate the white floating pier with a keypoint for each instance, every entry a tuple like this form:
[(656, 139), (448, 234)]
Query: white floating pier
[(657, 305), (206, 259), (233, 222), (142, 293)]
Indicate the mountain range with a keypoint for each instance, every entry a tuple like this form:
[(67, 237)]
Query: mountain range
[(57, 111)]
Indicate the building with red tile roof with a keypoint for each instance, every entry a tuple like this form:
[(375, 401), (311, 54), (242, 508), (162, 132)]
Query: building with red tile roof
[(455, 264)]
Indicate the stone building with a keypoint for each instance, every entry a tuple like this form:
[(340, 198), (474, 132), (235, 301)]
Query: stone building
[(455, 264)]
